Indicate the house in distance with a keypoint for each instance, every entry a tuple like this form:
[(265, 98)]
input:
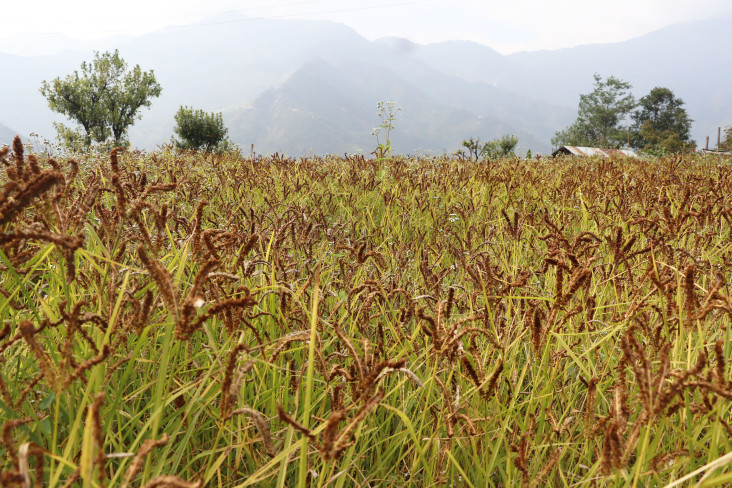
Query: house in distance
[(593, 151)]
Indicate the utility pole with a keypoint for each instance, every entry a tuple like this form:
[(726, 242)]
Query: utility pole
[(719, 137)]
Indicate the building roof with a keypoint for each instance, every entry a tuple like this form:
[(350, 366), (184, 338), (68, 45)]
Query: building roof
[(716, 153), (593, 151)]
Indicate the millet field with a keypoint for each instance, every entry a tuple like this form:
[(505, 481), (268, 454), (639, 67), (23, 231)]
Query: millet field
[(185, 320)]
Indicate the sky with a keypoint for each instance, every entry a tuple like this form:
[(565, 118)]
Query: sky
[(507, 26)]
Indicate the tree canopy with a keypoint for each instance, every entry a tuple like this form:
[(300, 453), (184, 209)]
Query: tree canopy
[(600, 116), (610, 117), (661, 124), (200, 130), (104, 98), (497, 148)]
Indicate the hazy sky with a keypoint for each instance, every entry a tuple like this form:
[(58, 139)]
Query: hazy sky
[(507, 26)]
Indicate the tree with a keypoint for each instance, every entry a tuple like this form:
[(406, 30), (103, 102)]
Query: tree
[(475, 150), (495, 149), (600, 116), (200, 130), (104, 98), (500, 148), (661, 124)]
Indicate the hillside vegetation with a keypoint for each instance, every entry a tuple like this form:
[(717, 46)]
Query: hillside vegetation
[(175, 319)]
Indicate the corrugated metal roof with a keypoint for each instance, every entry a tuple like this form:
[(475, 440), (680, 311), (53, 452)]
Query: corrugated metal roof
[(716, 153), (594, 151)]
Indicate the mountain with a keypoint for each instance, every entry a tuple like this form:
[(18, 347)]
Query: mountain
[(21, 104), (6, 135), (305, 87), (249, 64), (329, 108), (475, 62), (239, 66), (691, 59), (34, 44), (211, 66)]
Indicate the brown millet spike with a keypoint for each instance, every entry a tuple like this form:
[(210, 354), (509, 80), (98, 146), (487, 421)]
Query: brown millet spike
[(450, 301), (66, 241), (139, 460), (560, 284), (689, 296), (712, 387), (546, 469), (74, 169), (28, 332), (590, 405), (721, 379), (262, 427), (19, 163), (163, 280), (207, 236), (329, 449), (283, 342), (35, 169), (657, 462), (578, 278), (8, 440), (375, 373), (536, 330), (207, 269), (98, 435), (225, 403), (470, 371), (161, 218), (35, 188), (196, 237), (144, 311), (54, 164), (611, 448), (23, 394), (3, 153), (294, 423), (367, 407), (354, 353), (433, 331), (113, 160), (185, 330), (493, 380), (103, 354)]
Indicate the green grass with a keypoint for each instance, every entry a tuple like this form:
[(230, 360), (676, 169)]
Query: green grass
[(564, 273)]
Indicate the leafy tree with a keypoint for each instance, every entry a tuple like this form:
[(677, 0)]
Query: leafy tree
[(600, 116), (74, 139), (475, 150), (200, 130), (104, 98), (501, 148), (661, 124), (495, 149)]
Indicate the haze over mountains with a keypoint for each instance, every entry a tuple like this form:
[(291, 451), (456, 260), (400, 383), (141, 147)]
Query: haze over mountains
[(311, 87), (6, 134)]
